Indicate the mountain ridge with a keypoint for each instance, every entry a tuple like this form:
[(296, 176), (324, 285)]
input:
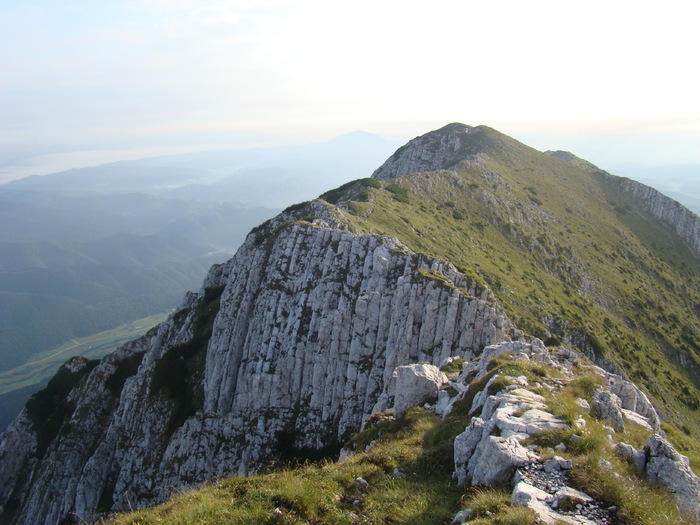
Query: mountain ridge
[(324, 301)]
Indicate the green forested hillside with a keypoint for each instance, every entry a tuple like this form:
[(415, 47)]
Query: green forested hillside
[(51, 292)]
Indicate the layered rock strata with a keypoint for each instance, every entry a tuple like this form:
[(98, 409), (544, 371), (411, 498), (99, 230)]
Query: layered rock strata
[(676, 216), (438, 150), (284, 351)]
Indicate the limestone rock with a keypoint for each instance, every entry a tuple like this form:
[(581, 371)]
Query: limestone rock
[(443, 403), (447, 361), (557, 464), (489, 449), (675, 215), (462, 516), (534, 349), (583, 404), (437, 150), (496, 459), (670, 469), (345, 454), (416, 384), (637, 457), (290, 343), (362, 484), (536, 421), (464, 446), (526, 495), (633, 417), (572, 494), (607, 406), (634, 400)]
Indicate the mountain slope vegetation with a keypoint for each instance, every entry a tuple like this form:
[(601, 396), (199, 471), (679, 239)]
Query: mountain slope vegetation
[(329, 296), (567, 253)]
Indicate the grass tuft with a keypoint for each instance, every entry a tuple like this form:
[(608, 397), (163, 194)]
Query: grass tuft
[(492, 505)]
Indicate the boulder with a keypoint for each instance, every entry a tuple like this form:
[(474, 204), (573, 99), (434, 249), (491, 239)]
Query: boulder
[(525, 495), (557, 464), (607, 406), (416, 384), (634, 400), (632, 417), (583, 404), (496, 459), (462, 516), (670, 469), (362, 484), (572, 495), (637, 457), (464, 446), (442, 407)]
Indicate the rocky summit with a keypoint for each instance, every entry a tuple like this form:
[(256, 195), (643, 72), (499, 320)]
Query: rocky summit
[(466, 248)]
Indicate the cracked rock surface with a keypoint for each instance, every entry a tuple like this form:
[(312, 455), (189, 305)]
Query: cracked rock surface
[(287, 346)]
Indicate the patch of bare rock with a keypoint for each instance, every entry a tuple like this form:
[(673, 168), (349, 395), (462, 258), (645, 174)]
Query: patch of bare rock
[(496, 445)]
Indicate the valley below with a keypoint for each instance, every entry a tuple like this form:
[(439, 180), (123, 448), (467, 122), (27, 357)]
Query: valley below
[(492, 319), (17, 384)]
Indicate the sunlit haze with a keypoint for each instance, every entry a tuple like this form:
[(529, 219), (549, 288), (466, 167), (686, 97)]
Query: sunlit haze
[(90, 82)]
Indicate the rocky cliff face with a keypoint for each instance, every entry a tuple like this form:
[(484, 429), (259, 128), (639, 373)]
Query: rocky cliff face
[(438, 150), (285, 349), (676, 216)]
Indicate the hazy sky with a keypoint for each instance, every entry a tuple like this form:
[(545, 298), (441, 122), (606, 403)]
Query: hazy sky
[(89, 81)]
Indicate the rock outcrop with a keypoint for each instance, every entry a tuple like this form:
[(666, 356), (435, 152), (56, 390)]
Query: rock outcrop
[(494, 446), (606, 405), (670, 469), (676, 216), (672, 213), (664, 466), (438, 150), (285, 350), (415, 385), (289, 347)]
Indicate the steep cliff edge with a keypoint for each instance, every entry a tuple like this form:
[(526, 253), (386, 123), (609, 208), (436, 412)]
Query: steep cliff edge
[(285, 349), (684, 222), (530, 426), (672, 213), (289, 346)]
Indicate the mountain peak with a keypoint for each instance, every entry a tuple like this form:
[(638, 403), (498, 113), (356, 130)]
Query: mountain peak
[(436, 150), (358, 137)]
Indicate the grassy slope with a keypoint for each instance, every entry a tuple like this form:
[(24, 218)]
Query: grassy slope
[(407, 465), (556, 241), (553, 241)]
